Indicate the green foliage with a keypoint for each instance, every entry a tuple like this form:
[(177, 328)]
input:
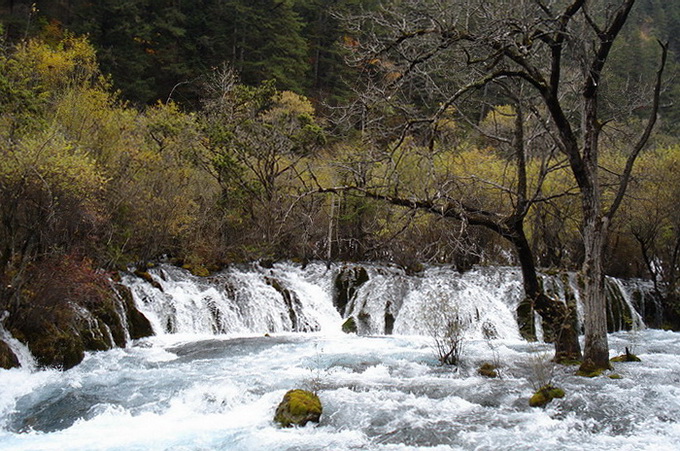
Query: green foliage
[(50, 195), (257, 140)]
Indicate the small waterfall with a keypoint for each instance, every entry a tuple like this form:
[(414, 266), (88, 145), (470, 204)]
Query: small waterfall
[(381, 299), (237, 300), (640, 294), (482, 300), (20, 350), (621, 309)]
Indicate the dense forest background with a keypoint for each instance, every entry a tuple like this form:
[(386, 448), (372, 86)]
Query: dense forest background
[(210, 131)]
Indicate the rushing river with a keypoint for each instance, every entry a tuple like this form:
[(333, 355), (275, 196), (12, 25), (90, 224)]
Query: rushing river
[(194, 387), (379, 393)]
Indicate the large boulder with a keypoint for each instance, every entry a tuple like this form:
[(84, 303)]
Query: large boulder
[(297, 408)]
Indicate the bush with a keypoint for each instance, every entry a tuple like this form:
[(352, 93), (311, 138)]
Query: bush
[(445, 326)]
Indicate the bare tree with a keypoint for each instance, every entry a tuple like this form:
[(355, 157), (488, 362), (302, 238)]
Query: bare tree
[(547, 57)]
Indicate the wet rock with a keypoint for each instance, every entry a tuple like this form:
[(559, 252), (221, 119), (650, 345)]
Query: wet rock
[(525, 319), (389, 321), (197, 269), (347, 283), (297, 408), (299, 322), (7, 358), (488, 370), (58, 335), (55, 348), (138, 324), (589, 369), (544, 395), (627, 357), (349, 326), (146, 276)]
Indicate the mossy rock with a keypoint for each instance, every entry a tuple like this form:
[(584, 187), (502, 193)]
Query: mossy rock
[(525, 320), (107, 315), (52, 335), (7, 357), (137, 324), (544, 395), (595, 372), (569, 362), (197, 270), (414, 268), (298, 408), (488, 370), (615, 376), (349, 326), (626, 358), (589, 369), (58, 349)]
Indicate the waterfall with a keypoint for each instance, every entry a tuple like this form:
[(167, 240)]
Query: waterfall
[(482, 300), (381, 299), (628, 318), (19, 349), (237, 300)]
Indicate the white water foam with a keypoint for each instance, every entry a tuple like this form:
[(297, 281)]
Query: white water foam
[(379, 393)]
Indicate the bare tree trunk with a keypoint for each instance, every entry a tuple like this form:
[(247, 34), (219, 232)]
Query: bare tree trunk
[(595, 306)]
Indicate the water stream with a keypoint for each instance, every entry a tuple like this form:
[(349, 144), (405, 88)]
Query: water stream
[(210, 379)]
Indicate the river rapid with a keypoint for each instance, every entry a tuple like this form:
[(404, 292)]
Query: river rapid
[(194, 390), (378, 393)]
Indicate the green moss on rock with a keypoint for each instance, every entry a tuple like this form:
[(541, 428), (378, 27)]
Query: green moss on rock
[(488, 370), (569, 362), (544, 395), (146, 276), (57, 349), (297, 408), (627, 357), (589, 369), (196, 269), (349, 326)]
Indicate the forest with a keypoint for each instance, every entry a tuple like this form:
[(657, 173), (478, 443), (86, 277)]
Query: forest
[(216, 132)]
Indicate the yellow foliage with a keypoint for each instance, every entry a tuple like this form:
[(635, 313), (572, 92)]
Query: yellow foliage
[(287, 103), (49, 163), (72, 61)]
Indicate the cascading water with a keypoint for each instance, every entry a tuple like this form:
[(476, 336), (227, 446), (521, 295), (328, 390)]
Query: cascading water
[(210, 379), (290, 298), (258, 300), (19, 349)]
